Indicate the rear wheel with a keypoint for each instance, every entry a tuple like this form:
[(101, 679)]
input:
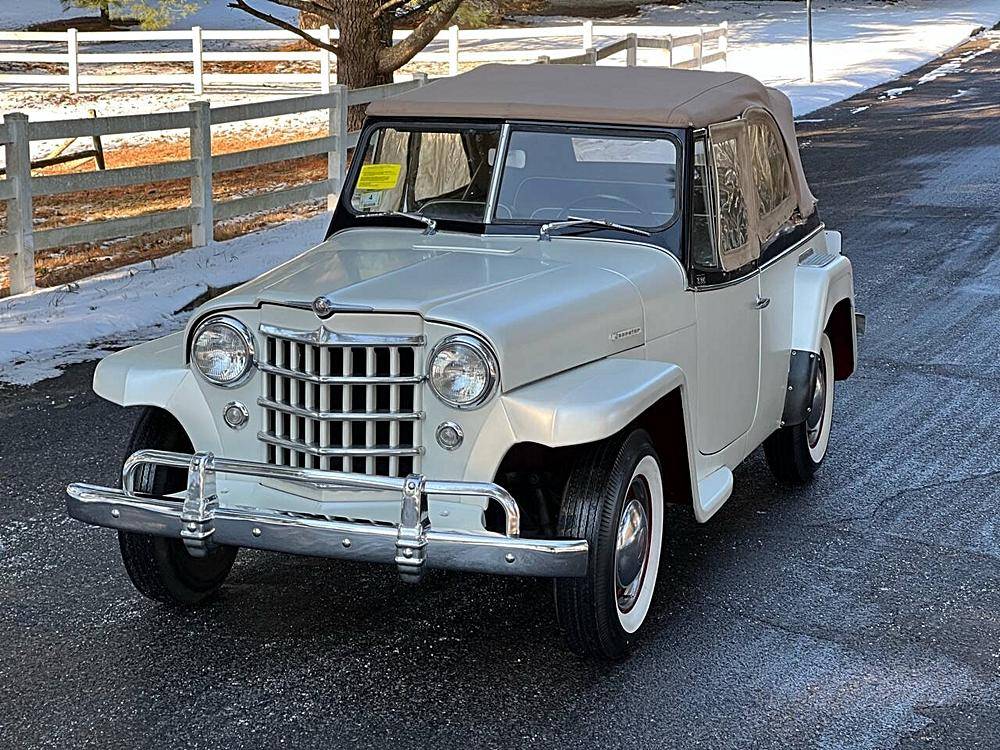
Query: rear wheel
[(614, 500), (795, 452), (159, 567)]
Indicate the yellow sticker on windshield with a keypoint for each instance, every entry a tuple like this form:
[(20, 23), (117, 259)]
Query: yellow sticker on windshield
[(379, 176)]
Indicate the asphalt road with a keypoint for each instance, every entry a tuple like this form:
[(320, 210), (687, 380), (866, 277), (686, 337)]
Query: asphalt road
[(861, 612)]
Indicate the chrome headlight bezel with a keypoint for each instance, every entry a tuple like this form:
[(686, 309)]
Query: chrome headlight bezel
[(242, 332), (484, 352)]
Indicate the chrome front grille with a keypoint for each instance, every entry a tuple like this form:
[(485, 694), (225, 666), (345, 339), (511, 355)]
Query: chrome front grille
[(341, 402)]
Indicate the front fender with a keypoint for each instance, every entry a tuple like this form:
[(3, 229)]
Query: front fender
[(155, 374), (589, 403)]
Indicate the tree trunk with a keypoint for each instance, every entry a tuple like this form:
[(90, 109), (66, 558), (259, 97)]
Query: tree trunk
[(357, 65), (105, 16)]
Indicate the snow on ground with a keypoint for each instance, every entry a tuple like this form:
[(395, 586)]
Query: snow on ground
[(859, 45), (48, 328)]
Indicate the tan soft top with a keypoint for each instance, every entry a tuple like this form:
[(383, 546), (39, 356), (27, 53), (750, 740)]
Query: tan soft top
[(657, 97)]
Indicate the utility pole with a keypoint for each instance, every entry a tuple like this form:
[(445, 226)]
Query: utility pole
[(809, 22)]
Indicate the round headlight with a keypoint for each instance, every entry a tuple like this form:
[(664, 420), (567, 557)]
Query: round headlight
[(463, 372), (222, 350)]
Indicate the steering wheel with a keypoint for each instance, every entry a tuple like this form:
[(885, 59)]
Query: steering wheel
[(604, 197)]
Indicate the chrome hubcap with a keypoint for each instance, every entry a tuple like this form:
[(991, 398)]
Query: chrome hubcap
[(817, 413), (632, 548)]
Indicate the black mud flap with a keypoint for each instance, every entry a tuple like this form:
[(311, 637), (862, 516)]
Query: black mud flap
[(802, 368)]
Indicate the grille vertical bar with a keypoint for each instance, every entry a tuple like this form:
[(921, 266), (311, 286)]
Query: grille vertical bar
[(341, 403)]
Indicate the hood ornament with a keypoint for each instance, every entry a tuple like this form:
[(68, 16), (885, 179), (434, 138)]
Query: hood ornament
[(324, 307)]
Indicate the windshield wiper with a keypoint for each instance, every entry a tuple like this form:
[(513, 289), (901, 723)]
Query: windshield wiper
[(425, 220), (579, 221)]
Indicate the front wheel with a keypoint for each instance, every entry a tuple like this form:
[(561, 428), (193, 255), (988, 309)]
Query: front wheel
[(161, 568), (796, 451), (614, 500)]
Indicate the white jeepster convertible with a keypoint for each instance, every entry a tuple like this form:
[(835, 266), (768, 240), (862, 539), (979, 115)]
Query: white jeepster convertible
[(551, 300)]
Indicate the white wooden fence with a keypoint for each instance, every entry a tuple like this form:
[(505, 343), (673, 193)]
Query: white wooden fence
[(18, 190), (454, 47)]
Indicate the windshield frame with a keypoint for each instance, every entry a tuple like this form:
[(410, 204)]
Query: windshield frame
[(667, 236)]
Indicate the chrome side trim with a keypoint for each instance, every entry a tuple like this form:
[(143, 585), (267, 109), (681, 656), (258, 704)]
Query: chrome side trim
[(305, 534), (340, 416), (340, 379), (291, 445), (324, 336)]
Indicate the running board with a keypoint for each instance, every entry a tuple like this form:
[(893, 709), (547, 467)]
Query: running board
[(713, 491)]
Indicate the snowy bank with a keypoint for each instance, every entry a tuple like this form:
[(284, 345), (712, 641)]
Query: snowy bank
[(51, 327), (858, 45)]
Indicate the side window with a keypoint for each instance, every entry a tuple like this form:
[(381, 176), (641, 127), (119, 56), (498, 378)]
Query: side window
[(703, 253), (735, 222), (772, 175)]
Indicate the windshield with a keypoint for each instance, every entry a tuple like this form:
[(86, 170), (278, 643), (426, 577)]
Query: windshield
[(439, 174), (548, 175)]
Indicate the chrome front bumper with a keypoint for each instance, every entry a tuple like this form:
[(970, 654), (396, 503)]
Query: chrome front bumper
[(412, 544)]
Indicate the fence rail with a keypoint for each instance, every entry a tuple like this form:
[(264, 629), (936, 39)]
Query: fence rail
[(20, 187), (453, 47)]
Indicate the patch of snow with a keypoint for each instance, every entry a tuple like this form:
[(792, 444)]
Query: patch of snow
[(858, 110), (894, 93), (960, 93), (45, 329)]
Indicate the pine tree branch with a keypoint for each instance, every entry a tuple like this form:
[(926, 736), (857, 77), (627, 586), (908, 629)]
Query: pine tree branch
[(241, 5), (396, 56)]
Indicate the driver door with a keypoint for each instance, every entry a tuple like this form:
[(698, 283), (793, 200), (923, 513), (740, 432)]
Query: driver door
[(725, 250)]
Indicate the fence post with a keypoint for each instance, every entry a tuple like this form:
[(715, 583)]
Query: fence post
[(337, 158), (588, 35), (197, 50), (453, 50), (632, 51), (19, 210), (544, 59), (73, 48), (700, 52), (324, 60), (201, 183), (670, 50), (591, 57), (724, 44), (421, 78)]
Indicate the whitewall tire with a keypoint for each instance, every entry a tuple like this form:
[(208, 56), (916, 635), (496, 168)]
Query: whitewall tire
[(795, 452), (614, 500)]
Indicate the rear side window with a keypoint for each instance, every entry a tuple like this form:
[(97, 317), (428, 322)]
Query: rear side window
[(772, 175), (730, 168)]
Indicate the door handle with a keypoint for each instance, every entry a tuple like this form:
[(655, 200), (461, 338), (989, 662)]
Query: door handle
[(761, 302)]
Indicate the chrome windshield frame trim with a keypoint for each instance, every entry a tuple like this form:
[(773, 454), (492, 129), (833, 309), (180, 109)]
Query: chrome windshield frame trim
[(493, 193)]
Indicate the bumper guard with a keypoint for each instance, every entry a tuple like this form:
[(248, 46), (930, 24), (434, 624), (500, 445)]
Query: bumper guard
[(411, 544)]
